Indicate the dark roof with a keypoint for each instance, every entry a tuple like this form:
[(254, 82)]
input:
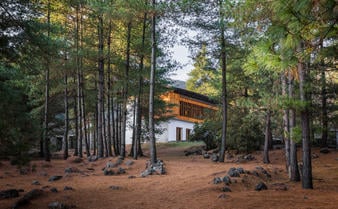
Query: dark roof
[(194, 95)]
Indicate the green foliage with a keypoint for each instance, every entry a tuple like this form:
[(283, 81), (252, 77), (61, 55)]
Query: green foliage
[(202, 78), (245, 130), (208, 132), (296, 134), (16, 125)]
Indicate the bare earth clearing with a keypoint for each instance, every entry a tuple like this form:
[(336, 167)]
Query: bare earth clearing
[(187, 184)]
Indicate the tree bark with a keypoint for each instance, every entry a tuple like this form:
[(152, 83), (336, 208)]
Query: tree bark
[(286, 125), (325, 119), (224, 86), (100, 106), (46, 139), (138, 130), (109, 111), (78, 90), (267, 137), (125, 94), (65, 134), (152, 143), (307, 167), (293, 166)]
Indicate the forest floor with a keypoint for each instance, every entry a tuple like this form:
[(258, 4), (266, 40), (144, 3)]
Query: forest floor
[(189, 183)]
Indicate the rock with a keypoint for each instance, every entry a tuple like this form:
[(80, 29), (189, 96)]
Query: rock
[(226, 180), (121, 170), (55, 178), (60, 205), (223, 196), (226, 189), (263, 171), (67, 188), (195, 150), (54, 190), (129, 163), (115, 187), (108, 172), (72, 170), (56, 205), (110, 164), (261, 186), (24, 171), (314, 156), (324, 150), (217, 180), (214, 157), (206, 156), (9, 193), (233, 172), (249, 157), (157, 168), (240, 170), (255, 173), (92, 158), (146, 173), (35, 182), (119, 160), (131, 177)]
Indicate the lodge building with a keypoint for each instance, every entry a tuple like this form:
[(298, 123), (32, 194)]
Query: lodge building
[(186, 109)]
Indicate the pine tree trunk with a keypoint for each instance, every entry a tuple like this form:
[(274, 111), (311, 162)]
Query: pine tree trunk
[(138, 131), (46, 139), (76, 151), (286, 125), (65, 134), (125, 94), (224, 86), (325, 119), (82, 98), (307, 167), (109, 112), (78, 73), (267, 137), (293, 167), (152, 143), (100, 105)]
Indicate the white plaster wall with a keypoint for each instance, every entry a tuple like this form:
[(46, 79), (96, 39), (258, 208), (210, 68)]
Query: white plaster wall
[(173, 123)]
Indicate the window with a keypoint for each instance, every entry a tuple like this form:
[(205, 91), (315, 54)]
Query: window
[(187, 133), (191, 110), (178, 134)]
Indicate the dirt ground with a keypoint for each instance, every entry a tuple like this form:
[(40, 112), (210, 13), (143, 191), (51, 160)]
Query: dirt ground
[(187, 184)]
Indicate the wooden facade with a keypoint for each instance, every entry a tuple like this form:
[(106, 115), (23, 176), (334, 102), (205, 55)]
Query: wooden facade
[(189, 106)]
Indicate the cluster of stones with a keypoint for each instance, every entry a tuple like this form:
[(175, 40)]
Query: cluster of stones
[(151, 169), (260, 172), (114, 168)]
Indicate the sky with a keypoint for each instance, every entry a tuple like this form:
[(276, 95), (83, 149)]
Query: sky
[(181, 54)]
